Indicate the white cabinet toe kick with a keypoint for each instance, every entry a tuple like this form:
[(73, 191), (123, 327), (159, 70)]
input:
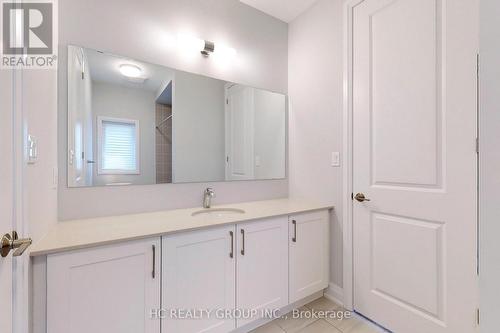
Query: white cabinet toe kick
[(229, 278)]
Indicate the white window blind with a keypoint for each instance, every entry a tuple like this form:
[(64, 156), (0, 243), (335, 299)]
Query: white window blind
[(119, 146)]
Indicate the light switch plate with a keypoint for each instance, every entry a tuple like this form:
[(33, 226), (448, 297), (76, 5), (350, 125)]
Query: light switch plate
[(335, 159), (257, 161)]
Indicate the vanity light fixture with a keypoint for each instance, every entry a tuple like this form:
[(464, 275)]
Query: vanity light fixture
[(206, 48), (130, 71)]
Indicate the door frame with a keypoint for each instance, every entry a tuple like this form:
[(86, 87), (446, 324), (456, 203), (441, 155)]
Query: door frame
[(347, 145)]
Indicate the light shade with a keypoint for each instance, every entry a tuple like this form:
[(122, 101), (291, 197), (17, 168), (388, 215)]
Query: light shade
[(130, 70)]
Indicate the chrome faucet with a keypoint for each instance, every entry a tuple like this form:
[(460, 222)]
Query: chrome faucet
[(207, 197)]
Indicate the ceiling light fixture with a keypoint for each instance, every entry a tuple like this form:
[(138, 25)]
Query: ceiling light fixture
[(130, 71)]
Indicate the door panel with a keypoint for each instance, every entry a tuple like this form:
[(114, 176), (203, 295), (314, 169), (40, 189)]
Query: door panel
[(108, 289), (6, 196), (240, 133), (414, 130), (199, 273), (405, 69), (309, 248), (262, 276)]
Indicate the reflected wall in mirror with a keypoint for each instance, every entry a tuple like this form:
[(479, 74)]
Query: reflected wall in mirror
[(134, 123)]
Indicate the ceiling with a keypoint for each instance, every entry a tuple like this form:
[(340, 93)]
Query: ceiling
[(285, 10), (106, 68)]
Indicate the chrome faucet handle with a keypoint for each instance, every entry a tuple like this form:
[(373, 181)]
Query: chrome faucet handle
[(207, 197)]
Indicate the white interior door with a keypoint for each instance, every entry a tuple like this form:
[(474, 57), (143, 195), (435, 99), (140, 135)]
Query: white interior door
[(6, 197), (13, 269), (239, 133), (76, 118), (414, 133)]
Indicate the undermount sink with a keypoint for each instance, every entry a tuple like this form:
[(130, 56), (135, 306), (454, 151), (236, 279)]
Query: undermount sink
[(219, 212)]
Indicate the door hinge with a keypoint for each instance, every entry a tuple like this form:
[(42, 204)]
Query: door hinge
[(477, 317), (477, 145)]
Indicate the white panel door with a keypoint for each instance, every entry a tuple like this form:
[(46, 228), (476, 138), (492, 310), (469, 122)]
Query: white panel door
[(261, 268), (199, 274), (414, 132), (6, 196), (80, 119), (110, 289), (309, 249), (239, 133)]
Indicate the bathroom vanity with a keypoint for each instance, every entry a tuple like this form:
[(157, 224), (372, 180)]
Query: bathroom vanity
[(232, 266), (212, 269)]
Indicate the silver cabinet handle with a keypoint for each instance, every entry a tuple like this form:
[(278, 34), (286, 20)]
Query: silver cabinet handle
[(243, 242), (231, 254), (154, 262), (294, 238)]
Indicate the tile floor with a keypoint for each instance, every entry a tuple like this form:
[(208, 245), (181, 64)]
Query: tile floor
[(289, 324)]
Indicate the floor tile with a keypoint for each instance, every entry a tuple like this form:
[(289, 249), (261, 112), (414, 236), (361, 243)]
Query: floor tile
[(320, 326), (323, 304), (365, 327), (292, 324), (271, 327), (346, 323)]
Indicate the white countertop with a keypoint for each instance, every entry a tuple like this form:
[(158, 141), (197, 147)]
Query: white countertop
[(77, 234)]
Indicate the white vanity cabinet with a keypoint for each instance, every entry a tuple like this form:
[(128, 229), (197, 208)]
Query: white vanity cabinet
[(308, 258), (262, 266), (199, 274), (105, 289), (190, 281), (242, 267)]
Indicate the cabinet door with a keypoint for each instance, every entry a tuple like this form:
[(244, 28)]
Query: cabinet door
[(199, 274), (262, 266), (110, 289), (309, 247)]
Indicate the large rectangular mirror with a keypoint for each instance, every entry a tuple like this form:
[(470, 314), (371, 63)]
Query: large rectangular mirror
[(134, 123)]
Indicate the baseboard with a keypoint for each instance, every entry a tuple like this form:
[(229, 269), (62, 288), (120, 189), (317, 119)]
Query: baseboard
[(335, 293)]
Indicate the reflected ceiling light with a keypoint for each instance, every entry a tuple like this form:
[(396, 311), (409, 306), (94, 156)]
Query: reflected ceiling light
[(130, 71)]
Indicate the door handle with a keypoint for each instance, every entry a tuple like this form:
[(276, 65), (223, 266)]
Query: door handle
[(243, 242), (12, 242), (361, 197)]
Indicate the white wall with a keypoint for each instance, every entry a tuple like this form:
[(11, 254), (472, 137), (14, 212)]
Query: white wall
[(315, 88), (490, 165), (197, 129), (110, 100), (141, 30)]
